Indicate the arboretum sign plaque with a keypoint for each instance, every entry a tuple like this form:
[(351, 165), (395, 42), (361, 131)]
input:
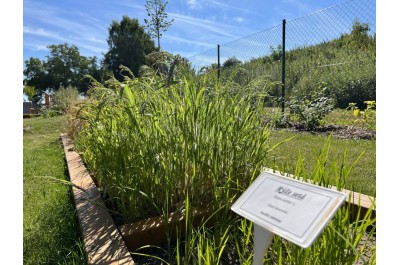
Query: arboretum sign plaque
[(294, 210)]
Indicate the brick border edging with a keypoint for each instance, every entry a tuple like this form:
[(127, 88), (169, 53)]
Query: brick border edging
[(103, 242)]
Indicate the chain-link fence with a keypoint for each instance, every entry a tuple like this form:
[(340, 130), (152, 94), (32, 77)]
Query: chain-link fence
[(334, 48)]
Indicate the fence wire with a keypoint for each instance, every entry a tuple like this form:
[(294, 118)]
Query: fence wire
[(334, 46)]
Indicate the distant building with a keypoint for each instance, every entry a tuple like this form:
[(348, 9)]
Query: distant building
[(30, 108)]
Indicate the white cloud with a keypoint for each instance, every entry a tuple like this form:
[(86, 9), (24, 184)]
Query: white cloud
[(194, 4), (239, 19), (191, 42), (93, 39), (187, 23), (300, 5), (58, 25), (128, 3), (44, 33), (35, 46), (81, 43)]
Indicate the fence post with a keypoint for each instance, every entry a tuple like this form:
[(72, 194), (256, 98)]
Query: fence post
[(283, 64), (218, 65)]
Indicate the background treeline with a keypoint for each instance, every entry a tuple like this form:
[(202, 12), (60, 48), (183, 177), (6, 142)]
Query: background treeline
[(344, 66), (66, 67)]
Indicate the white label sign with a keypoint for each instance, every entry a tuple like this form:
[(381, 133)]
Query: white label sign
[(292, 209)]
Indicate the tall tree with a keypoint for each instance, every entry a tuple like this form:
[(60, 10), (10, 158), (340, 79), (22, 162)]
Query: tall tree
[(128, 45), (36, 75), (29, 91), (158, 22), (63, 67)]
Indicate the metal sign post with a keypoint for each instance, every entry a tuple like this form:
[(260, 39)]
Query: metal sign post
[(262, 240)]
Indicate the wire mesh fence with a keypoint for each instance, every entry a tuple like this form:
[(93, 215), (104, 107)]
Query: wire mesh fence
[(334, 47)]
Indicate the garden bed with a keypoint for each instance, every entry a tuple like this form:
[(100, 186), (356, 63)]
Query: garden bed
[(339, 131), (151, 231), (103, 243)]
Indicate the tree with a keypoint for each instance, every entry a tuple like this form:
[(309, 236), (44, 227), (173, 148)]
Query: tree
[(63, 67), (128, 45), (36, 76), (276, 53), (232, 61), (29, 91), (158, 22), (358, 37), (359, 33)]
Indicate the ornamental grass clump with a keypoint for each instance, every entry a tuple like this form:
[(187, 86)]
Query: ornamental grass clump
[(155, 148), (150, 145)]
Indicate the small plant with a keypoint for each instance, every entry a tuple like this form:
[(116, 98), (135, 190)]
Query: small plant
[(64, 98), (281, 120), (311, 110), (48, 113), (367, 116)]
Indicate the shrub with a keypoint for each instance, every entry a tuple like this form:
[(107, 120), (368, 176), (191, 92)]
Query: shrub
[(366, 117), (48, 113), (230, 62), (355, 91), (64, 98), (311, 110)]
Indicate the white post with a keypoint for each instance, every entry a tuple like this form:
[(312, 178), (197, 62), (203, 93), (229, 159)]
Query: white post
[(262, 239)]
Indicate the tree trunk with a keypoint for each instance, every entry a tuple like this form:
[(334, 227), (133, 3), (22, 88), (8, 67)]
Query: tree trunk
[(158, 39)]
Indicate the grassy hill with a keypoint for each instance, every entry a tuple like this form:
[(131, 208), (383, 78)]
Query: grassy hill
[(346, 66)]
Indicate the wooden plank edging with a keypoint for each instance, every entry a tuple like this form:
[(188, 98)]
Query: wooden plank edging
[(103, 242), (153, 231)]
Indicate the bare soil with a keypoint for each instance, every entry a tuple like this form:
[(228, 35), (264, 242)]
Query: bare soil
[(343, 132)]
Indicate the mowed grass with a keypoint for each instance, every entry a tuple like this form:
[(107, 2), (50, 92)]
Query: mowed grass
[(340, 117), (363, 175), (51, 233)]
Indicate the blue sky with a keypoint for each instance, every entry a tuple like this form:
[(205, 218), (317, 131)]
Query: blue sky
[(199, 25)]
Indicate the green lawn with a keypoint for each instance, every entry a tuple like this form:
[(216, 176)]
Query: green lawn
[(361, 179), (51, 233)]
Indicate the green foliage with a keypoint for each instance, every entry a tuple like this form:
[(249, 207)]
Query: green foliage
[(63, 67), (233, 61), (363, 175), (36, 76), (64, 98), (128, 45), (165, 65), (359, 34), (48, 113), (346, 64), (312, 109), (30, 92), (230, 240), (276, 53), (51, 232), (366, 117), (145, 140), (158, 22), (199, 142)]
